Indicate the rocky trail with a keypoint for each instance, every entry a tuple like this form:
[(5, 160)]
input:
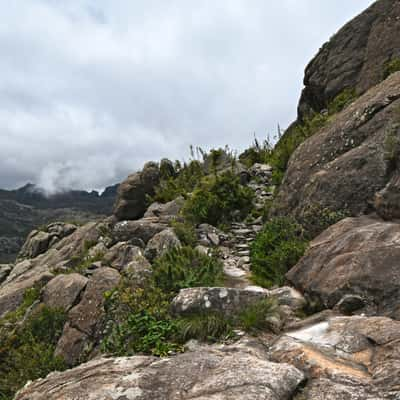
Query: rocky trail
[(234, 244)]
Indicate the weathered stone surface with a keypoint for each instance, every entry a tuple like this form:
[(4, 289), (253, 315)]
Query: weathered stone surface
[(5, 270), (357, 256), (354, 356), (85, 321), (143, 230), (131, 202), (165, 211), (88, 313), (121, 254), (227, 300), (287, 296), (39, 242), (63, 291), (387, 201), (160, 243), (39, 271), (12, 292), (72, 344), (211, 373), (345, 164), (354, 58)]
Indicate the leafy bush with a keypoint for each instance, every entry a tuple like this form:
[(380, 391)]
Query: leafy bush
[(391, 67), (217, 200), (257, 316), (182, 182), (185, 232), (316, 218), (215, 326), (207, 327), (275, 250), (186, 267), (27, 348), (138, 320), (141, 333), (278, 157)]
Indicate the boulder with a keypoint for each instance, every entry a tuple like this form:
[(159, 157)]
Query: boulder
[(218, 299), (165, 212), (355, 57), (138, 270), (209, 373), (121, 254), (137, 231), (39, 241), (345, 357), (73, 345), (287, 296), (86, 316), (160, 243), (132, 196), (12, 293), (344, 165), (85, 320), (63, 291), (358, 257), (40, 270), (5, 270)]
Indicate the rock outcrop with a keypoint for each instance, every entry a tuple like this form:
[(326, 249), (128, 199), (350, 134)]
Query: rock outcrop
[(132, 200), (354, 58), (357, 257), (211, 373), (355, 358), (348, 162)]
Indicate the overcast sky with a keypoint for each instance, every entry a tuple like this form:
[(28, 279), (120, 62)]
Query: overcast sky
[(91, 89)]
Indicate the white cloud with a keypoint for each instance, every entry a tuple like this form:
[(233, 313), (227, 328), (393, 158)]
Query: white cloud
[(90, 90)]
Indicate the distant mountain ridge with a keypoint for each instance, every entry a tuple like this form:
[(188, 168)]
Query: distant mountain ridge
[(34, 196), (28, 207)]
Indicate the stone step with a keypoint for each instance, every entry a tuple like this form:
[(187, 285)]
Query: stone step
[(243, 253)]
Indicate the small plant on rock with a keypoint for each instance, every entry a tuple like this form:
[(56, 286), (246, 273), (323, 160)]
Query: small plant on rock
[(207, 327), (218, 200), (258, 316), (276, 249), (186, 267)]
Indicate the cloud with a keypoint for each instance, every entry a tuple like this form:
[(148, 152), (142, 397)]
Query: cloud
[(90, 90)]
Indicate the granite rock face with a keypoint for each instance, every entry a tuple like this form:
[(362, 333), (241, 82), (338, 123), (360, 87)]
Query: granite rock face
[(210, 373), (349, 161), (354, 58), (353, 358), (131, 201), (358, 257)]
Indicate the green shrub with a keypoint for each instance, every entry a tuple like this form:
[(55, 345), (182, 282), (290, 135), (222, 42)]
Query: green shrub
[(218, 200), (138, 320), (141, 332), (258, 316), (316, 218), (27, 349), (391, 67), (257, 153), (207, 327), (275, 250), (299, 132), (181, 183), (185, 232), (186, 267)]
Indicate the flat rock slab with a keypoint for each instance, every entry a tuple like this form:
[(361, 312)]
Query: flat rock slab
[(356, 355), (212, 373)]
